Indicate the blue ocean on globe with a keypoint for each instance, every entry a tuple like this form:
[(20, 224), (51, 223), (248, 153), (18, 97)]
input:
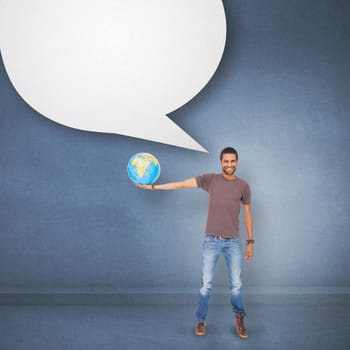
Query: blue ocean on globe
[(143, 168)]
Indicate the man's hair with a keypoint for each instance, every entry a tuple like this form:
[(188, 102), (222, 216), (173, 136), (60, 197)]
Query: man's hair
[(228, 150)]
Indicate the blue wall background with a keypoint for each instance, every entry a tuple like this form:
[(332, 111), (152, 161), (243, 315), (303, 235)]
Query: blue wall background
[(70, 219)]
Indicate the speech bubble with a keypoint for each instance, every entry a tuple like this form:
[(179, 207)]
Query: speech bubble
[(114, 66)]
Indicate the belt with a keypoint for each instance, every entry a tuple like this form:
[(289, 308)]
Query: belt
[(221, 237)]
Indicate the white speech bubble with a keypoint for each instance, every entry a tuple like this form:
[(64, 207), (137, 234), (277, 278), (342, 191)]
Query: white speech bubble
[(116, 66)]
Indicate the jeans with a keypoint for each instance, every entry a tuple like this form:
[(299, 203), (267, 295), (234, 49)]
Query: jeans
[(231, 249)]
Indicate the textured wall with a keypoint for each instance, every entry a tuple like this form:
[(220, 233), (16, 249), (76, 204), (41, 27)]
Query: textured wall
[(70, 217)]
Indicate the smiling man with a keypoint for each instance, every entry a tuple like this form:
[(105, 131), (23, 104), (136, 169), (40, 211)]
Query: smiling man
[(226, 193)]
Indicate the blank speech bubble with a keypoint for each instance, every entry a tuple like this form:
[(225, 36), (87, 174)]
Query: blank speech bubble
[(115, 66)]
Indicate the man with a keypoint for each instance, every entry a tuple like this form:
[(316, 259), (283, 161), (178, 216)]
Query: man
[(226, 193)]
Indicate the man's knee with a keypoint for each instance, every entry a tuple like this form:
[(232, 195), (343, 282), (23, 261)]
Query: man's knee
[(205, 289), (235, 287)]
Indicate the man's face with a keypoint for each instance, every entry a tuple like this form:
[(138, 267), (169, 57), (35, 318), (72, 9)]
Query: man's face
[(229, 163)]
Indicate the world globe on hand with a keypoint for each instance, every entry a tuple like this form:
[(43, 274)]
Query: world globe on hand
[(143, 168)]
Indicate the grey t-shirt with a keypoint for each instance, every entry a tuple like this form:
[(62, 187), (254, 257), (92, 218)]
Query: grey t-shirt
[(225, 197)]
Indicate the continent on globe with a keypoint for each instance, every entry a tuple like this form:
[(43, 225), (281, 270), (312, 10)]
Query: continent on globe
[(143, 168)]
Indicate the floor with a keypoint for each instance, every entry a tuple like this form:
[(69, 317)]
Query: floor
[(172, 327)]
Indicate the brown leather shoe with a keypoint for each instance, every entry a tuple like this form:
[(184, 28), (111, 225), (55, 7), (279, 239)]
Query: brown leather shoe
[(239, 324), (200, 329)]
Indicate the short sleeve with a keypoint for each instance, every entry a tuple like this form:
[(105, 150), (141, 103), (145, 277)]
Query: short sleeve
[(204, 181), (246, 196)]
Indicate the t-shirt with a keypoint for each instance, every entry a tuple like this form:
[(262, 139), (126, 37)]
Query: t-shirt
[(225, 197)]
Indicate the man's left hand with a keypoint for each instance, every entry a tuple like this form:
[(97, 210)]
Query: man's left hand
[(249, 252)]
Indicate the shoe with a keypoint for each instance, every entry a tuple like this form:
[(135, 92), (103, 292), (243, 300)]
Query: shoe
[(200, 329), (239, 325)]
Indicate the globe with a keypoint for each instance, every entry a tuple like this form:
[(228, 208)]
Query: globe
[(143, 168)]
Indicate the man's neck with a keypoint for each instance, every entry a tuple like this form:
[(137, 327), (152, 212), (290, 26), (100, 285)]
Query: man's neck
[(228, 177)]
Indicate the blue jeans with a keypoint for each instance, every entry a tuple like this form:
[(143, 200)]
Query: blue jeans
[(231, 250)]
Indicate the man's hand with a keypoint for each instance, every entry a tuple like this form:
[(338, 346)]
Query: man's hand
[(145, 187), (249, 252)]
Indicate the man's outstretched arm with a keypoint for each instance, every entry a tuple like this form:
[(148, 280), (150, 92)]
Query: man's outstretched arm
[(189, 183)]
